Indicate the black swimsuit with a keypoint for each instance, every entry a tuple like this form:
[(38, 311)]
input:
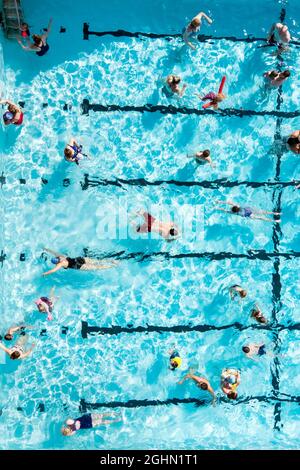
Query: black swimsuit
[(75, 263), (44, 49)]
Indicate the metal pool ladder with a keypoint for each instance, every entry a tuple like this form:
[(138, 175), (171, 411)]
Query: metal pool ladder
[(12, 17)]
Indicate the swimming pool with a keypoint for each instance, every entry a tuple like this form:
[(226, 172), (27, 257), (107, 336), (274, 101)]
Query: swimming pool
[(160, 294)]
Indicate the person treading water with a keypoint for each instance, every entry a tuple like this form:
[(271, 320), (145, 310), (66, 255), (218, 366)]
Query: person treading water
[(201, 382), (79, 263)]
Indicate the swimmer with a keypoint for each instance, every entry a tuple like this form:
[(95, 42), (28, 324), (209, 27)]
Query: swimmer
[(13, 115), (293, 142), (46, 304), (230, 380), (247, 212), (18, 350), (258, 316), (279, 35), (175, 359), (73, 152), (88, 421), (254, 349), (39, 45), (194, 27), (275, 79), (24, 28), (167, 230), (237, 291), (201, 382), (172, 82), (15, 329), (79, 263), (214, 98), (203, 156)]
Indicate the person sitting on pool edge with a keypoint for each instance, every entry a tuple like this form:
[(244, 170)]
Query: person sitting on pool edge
[(13, 115), (275, 79), (39, 44), (175, 360), (230, 380), (247, 212), (172, 86), (193, 28), (201, 382), (88, 421), (293, 142), (18, 350), (79, 263)]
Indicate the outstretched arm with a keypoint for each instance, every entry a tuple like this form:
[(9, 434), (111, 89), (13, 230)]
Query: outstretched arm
[(266, 219), (46, 34), (186, 377), (4, 348), (230, 203), (182, 90), (202, 14), (14, 329), (57, 268), (28, 352)]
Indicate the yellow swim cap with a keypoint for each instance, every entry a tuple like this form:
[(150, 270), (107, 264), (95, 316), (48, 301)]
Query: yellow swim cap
[(178, 360)]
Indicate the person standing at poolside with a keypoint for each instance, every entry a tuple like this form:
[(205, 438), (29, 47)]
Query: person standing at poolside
[(79, 263), (201, 382), (13, 115), (247, 212), (39, 45), (18, 350), (193, 28), (88, 421)]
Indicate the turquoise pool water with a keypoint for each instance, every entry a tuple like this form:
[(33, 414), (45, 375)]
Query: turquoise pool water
[(173, 288)]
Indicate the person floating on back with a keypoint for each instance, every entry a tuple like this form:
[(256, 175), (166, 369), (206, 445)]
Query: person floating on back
[(193, 28), (248, 212), (39, 45), (79, 263), (275, 79), (254, 350), (18, 350), (88, 421), (13, 115)]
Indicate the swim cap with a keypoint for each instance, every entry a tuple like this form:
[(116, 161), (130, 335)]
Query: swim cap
[(7, 116), (55, 260), (177, 360)]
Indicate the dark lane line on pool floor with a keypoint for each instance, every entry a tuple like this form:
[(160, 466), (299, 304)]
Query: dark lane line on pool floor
[(86, 406), (86, 107), (119, 33), (129, 329), (276, 237)]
